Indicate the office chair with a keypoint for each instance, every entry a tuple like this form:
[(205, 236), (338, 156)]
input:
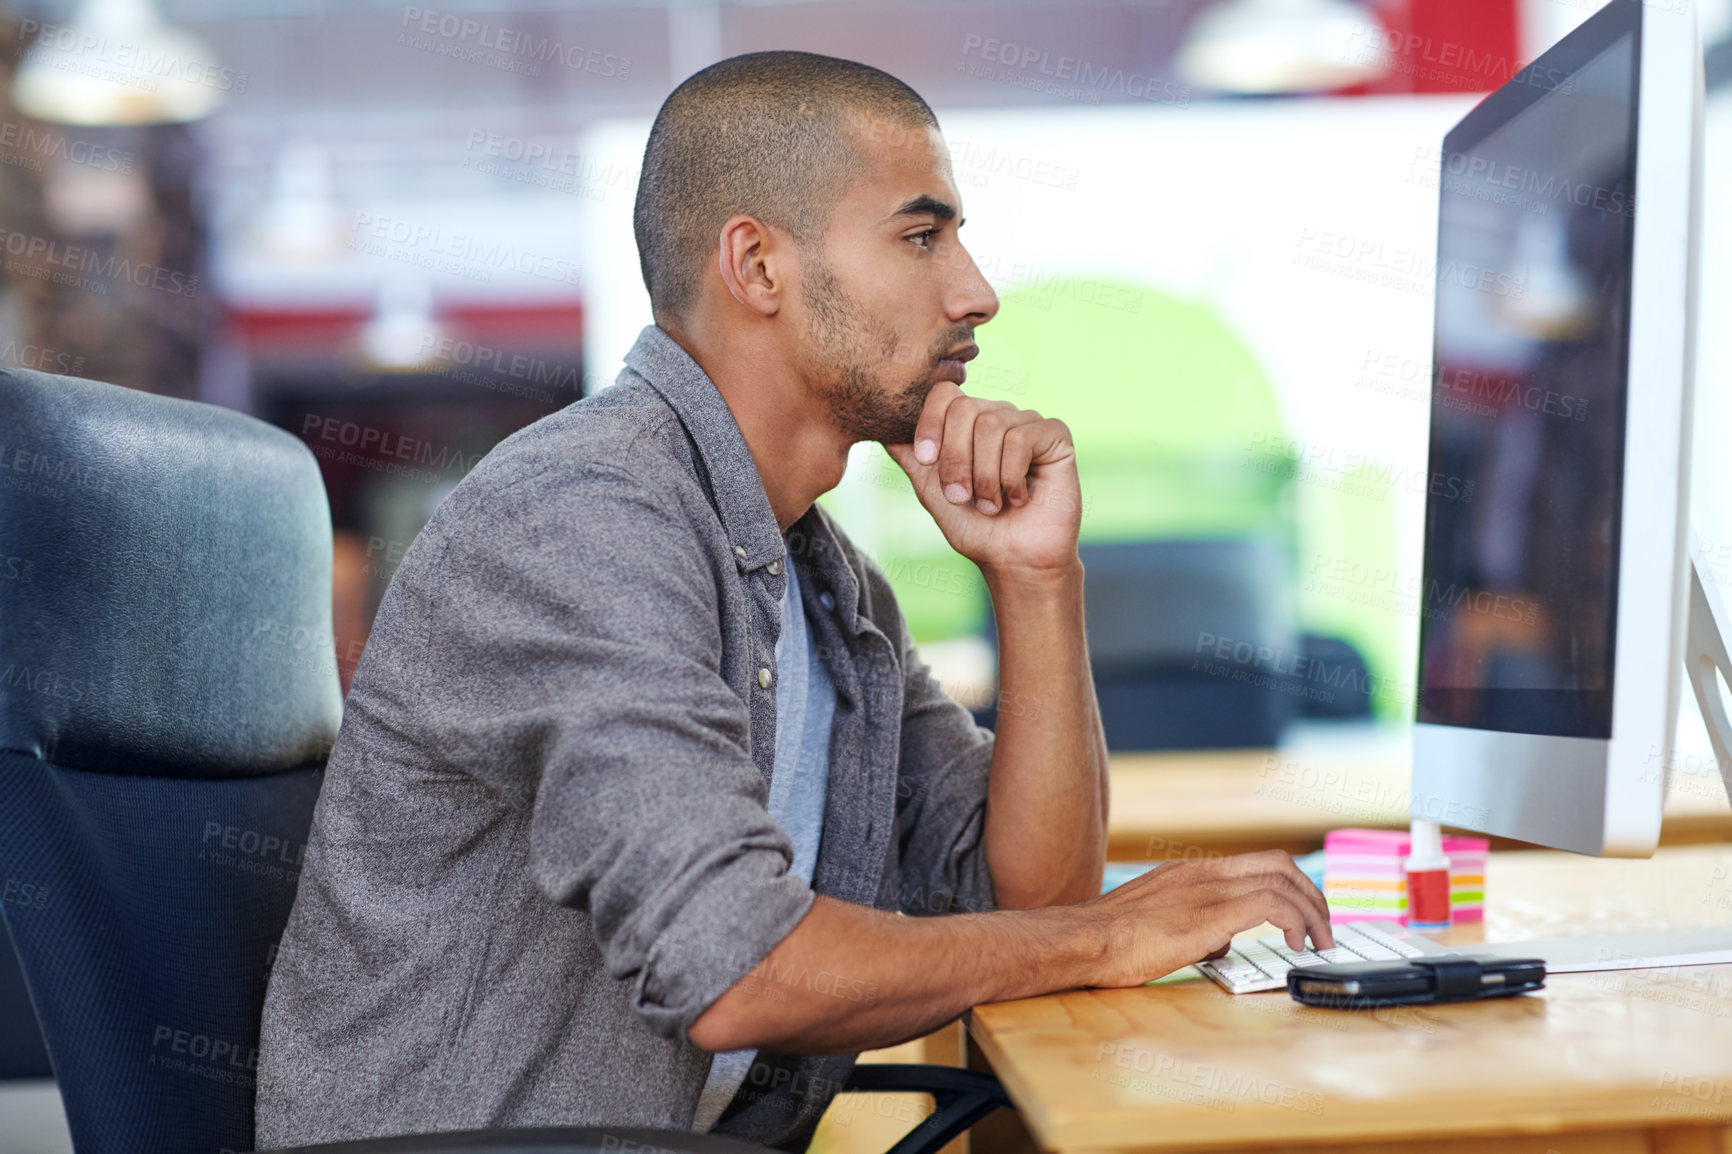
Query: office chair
[(168, 696), (1157, 612), (23, 1056), (1192, 645)]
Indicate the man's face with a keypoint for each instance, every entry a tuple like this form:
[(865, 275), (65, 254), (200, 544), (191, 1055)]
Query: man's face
[(890, 298)]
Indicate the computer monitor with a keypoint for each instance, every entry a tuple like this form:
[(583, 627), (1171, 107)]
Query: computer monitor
[(1556, 576)]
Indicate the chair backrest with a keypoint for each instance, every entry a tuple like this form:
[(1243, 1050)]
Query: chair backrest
[(22, 1054), (1158, 614), (1149, 602), (168, 694)]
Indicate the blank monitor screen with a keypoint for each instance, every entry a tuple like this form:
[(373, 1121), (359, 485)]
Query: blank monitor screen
[(1527, 422)]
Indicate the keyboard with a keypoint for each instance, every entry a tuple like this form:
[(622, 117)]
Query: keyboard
[(1250, 968)]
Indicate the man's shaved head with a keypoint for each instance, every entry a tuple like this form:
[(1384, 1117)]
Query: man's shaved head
[(768, 134)]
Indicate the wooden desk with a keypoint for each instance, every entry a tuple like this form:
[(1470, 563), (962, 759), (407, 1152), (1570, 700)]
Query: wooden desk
[(1195, 804), (1628, 1062)]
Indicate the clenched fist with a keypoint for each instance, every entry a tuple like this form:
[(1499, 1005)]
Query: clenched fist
[(1001, 482)]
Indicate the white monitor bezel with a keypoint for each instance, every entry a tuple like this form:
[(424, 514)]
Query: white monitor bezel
[(1605, 796)]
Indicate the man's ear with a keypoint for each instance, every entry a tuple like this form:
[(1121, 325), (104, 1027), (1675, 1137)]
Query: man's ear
[(752, 258)]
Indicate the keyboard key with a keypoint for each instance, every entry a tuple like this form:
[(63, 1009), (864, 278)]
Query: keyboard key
[(1249, 986), (1403, 946), (1291, 957), (1237, 979)]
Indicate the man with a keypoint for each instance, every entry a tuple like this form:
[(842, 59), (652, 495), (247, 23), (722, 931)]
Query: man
[(640, 765)]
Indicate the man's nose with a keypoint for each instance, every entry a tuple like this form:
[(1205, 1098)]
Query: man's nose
[(972, 298)]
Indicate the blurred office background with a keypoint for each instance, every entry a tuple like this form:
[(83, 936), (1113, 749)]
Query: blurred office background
[(402, 232)]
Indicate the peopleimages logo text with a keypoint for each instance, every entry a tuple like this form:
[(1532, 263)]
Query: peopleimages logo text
[(140, 63), (1087, 77), (516, 43), (1537, 183), (82, 259)]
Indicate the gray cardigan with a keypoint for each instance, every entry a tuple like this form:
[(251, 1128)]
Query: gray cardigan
[(542, 848)]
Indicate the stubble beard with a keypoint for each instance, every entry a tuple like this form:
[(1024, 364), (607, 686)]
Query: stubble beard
[(844, 341)]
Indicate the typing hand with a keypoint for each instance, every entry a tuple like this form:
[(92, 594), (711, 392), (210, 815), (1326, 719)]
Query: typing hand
[(1186, 911), (1000, 481)]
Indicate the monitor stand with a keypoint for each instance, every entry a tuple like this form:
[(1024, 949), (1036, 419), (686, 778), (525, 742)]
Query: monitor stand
[(1705, 657)]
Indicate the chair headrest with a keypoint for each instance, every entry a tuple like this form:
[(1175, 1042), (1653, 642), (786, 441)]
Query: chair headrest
[(165, 585)]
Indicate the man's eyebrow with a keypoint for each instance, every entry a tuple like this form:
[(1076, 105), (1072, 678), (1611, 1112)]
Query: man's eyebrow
[(924, 205)]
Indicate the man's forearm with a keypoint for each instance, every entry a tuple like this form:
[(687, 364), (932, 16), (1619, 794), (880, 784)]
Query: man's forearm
[(849, 978), (1046, 812)]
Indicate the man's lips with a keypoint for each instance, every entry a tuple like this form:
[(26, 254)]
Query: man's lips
[(955, 367)]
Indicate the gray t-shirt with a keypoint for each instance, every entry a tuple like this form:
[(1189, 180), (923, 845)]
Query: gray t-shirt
[(805, 705)]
